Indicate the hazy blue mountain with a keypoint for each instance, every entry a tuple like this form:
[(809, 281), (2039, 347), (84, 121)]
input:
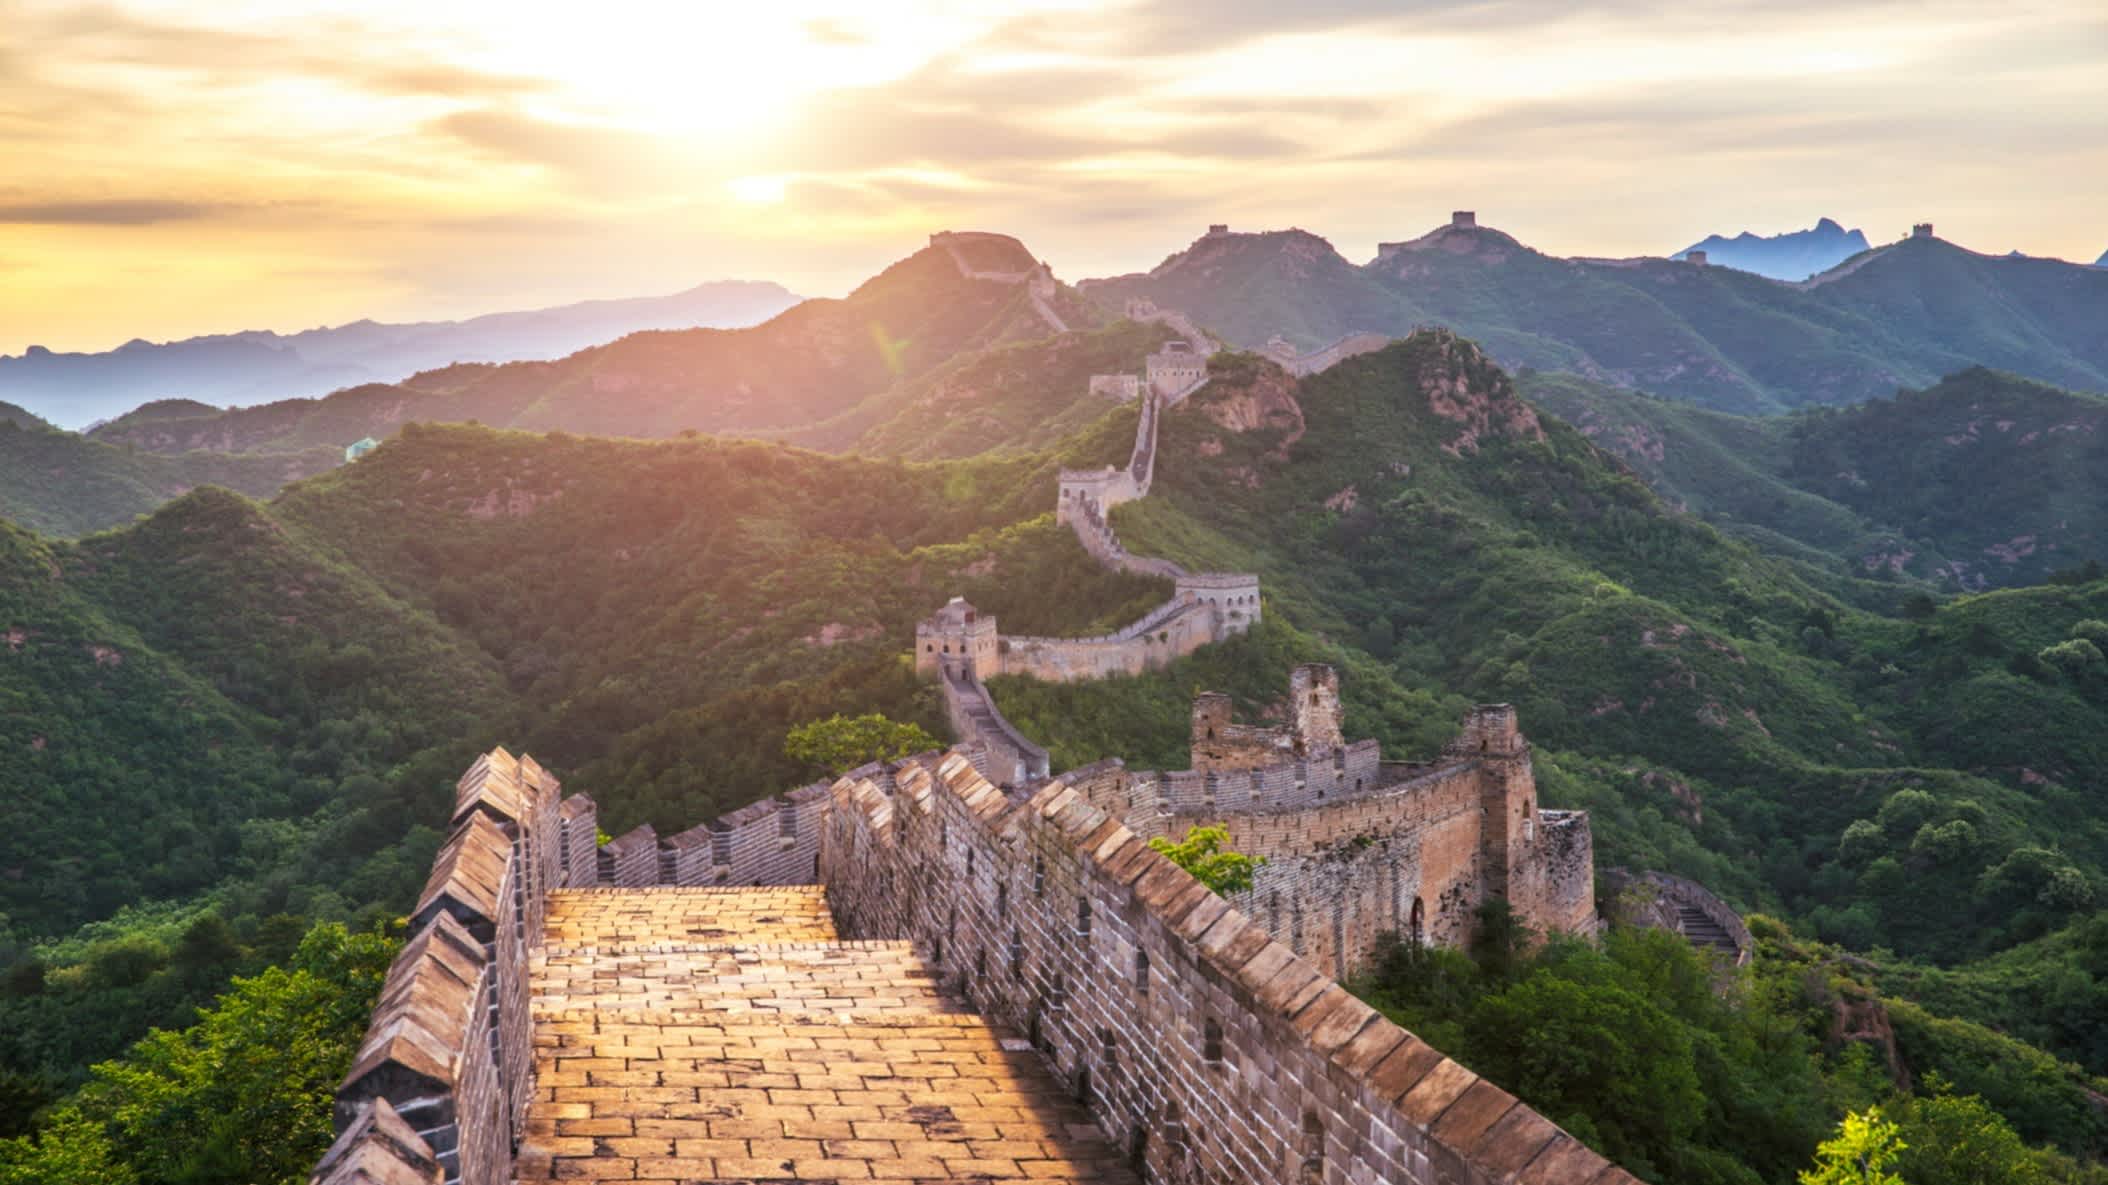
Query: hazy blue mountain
[(1795, 255), (237, 369), (2102, 261)]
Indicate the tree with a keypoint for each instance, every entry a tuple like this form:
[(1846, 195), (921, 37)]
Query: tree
[(1205, 853), (1960, 1140), (1859, 1154), (840, 743), (1594, 1057), (240, 1098), (2074, 656)]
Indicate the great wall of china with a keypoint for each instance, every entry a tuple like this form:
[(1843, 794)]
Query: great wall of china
[(956, 967), (914, 975)]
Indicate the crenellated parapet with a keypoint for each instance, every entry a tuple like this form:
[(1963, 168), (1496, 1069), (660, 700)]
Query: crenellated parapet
[(1206, 1047), (439, 1087), (1206, 1039), (1357, 847)]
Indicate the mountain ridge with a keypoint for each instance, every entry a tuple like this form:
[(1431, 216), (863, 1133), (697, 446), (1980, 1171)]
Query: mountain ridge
[(1789, 256), (1903, 314), (74, 388)]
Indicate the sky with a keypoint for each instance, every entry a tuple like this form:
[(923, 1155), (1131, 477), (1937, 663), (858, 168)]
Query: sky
[(178, 167)]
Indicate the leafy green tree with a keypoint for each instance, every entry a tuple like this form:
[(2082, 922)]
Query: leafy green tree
[(1959, 1140), (2093, 630), (842, 743), (2073, 656), (1859, 1154), (240, 1098), (1599, 1059), (1205, 853)]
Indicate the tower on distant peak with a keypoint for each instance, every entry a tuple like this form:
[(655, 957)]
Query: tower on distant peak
[(1218, 229), (1464, 220), (1697, 257), (1921, 230)]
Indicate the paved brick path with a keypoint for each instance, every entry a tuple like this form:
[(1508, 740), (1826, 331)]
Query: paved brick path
[(725, 1035)]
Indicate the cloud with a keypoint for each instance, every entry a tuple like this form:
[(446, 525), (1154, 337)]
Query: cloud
[(104, 212)]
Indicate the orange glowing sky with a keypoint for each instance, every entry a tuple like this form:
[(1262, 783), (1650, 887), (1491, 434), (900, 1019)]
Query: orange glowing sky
[(185, 167)]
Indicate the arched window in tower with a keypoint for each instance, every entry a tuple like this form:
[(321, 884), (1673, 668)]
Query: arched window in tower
[(1419, 930)]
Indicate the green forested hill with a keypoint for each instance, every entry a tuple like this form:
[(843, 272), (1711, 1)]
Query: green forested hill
[(250, 713), (1981, 480), (1916, 778), (1901, 314), (246, 717), (60, 483)]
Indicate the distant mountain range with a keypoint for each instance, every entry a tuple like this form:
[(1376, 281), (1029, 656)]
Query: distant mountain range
[(1900, 315), (1795, 255), (235, 369), (811, 363)]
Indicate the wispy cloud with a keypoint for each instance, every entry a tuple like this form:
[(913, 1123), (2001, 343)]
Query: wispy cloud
[(102, 212), (434, 159)]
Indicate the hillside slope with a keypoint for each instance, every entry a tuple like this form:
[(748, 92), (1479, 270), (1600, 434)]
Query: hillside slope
[(811, 363), (60, 483), (1902, 314), (1981, 480)]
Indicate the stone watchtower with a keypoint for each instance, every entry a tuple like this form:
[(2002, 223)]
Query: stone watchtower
[(960, 638), (1464, 220), (1921, 230), (1697, 257), (1507, 802)]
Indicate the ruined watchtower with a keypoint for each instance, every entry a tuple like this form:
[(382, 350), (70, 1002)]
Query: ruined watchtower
[(1921, 230), (958, 638), (1463, 220), (1695, 257)]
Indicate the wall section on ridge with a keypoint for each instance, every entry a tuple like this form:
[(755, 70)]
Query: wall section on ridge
[(1204, 1047)]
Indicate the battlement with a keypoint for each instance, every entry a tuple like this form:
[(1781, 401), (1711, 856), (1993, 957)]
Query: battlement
[(1126, 976), (1217, 229), (1921, 230)]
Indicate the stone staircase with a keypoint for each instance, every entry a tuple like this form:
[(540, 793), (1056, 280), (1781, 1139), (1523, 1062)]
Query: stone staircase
[(727, 1035), (1703, 931)]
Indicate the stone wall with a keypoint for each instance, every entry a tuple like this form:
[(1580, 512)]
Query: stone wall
[(1121, 388), (1655, 898), (1357, 847), (439, 1088), (1324, 357), (1205, 1048)]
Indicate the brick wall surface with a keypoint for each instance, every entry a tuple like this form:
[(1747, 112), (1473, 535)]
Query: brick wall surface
[(1210, 1051)]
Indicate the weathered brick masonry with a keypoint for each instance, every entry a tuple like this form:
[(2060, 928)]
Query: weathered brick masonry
[(440, 1086), (1205, 1048)]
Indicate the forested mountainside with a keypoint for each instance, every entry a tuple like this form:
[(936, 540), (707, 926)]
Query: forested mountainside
[(815, 361), (61, 483), (75, 389), (274, 699), (1982, 480), (1903, 314)]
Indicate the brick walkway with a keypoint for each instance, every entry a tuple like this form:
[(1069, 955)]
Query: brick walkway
[(725, 1035)]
